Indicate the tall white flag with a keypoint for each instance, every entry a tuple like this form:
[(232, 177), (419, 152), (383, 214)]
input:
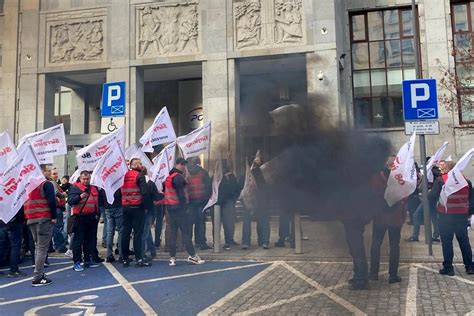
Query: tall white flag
[(88, 157), (110, 171), (163, 163), (134, 152), (47, 143), (435, 160), (18, 180), (456, 180), (195, 143), (7, 151), (216, 181), (402, 180), (160, 132)]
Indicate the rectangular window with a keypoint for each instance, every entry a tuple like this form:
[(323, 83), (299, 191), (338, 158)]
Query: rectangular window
[(463, 35), (383, 55)]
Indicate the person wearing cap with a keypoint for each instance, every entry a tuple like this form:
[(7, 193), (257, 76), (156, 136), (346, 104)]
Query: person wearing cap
[(176, 203)]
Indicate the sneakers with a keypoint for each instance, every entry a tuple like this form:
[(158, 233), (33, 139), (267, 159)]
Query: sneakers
[(16, 274), (41, 281), (68, 253), (195, 260), (172, 262), (265, 246), (91, 264), (125, 263), (77, 267), (446, 271), (413, 239), (142, 264), (110, 259), (245, 247), (226, 247)]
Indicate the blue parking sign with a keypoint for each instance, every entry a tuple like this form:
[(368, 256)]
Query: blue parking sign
[(113, 99), (420, 100)]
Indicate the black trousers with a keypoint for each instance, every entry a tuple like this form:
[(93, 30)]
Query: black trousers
[(133, 220), (286, 226), (178, 218), (450, 225), (160, 213), (378, 235), (83, 241), (355, 241)]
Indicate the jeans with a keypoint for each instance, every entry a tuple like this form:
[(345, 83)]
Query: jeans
[(197, 218), (147, 239), (105, 230), (228, 221), (178, 219), (114, 221), (378, 235), (13, 233), (418, 219), (58, 230), (355, 241), (133, 219), (247, 228), (450, 225), (286, 226), (41, 233), (84, 240), (159, 224), (263, 228)]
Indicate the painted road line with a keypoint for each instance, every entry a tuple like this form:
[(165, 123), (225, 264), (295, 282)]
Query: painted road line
[(410, 305), (336, 298), (211, 309), (26, 279), (277, 303), (32, 266), (136, 297), (450, 277)]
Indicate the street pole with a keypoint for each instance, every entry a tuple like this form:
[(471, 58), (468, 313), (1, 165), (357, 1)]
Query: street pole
[(217, 228), (424, 183)]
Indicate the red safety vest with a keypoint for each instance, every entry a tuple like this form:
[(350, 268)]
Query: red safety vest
[(196, 188), (60, 201), (458, 202), (171, 196), (36, 207), (92, 204), (131, 195)]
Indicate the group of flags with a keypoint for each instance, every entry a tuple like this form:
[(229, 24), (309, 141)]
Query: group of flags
[(20, 171)]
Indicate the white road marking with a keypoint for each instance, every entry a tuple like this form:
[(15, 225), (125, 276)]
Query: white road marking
[(410, 305), (319, 287), (136, 297), (26, 279), (211, 309), (32, 266), (451, 277)]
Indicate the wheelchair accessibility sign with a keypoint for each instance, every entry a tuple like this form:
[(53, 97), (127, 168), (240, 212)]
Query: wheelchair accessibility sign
[(113, 99), (420, 100), (110, 124)]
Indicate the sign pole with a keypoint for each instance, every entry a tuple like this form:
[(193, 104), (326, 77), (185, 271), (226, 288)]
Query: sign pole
[(424, 183)]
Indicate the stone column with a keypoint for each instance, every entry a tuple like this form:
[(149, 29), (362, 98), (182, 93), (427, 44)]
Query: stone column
[(136, 114), (45, 98), (78, 112)]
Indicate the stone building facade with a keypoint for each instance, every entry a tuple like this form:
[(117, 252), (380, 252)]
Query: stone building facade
[(227, 61)]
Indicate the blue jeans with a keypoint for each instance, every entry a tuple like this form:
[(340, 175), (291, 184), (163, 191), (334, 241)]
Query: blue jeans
[(451, 225), (58, 230), (13, 233), (158, 224), (418, 219), (197, 217), (114, 218), (263, 229), (105, 230), (147, 239)]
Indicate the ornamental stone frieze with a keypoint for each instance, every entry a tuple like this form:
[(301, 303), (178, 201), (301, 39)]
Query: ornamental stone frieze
[(76, 37), (268, 23), (167, 29)]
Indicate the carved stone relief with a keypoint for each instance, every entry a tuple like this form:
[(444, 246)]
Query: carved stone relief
[(267, 23), (168, 29)]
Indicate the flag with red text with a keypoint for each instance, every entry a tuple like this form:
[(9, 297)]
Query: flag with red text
[(47, 143), (160, 132), (195, 143)]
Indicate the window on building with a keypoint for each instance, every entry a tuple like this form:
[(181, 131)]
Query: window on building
[(62, 107), (383, 55), (2, 2), (463, 29)]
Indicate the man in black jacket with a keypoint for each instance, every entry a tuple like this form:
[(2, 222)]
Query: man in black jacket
[(229, 191), (13, 232)]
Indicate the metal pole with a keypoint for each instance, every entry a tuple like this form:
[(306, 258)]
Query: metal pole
[(217, 228), (298, 237), (424, 183)]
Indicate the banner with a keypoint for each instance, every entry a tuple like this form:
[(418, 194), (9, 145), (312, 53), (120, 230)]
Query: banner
[(434, 160), (134, 152), (18, 180), (249, 192), (110, 171), (46, 143), (163, 163), (7, 151), (88, 157), (160, 132), (216, 181), (195, 143), (456, 180), (75, 176), (402, 180)]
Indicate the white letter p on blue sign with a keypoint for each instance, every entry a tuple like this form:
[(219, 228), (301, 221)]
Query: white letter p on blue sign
[(419, 97), (113, 94)]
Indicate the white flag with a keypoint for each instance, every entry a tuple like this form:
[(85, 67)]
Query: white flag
[(195, 143), (7, 151), (88, 157), (216, 181), (249, 192), (163, 163), (47, 143), (75, 176), (110, 171), (160, 132), (18, 180), (456, 180), (435, 160), (402, 180), (134, 152), (449, 158)]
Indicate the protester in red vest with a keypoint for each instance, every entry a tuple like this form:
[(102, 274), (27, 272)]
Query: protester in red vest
[(176, 202), (84, 200), (135, 202), (199, 188), (40, 214), (453, 220)]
